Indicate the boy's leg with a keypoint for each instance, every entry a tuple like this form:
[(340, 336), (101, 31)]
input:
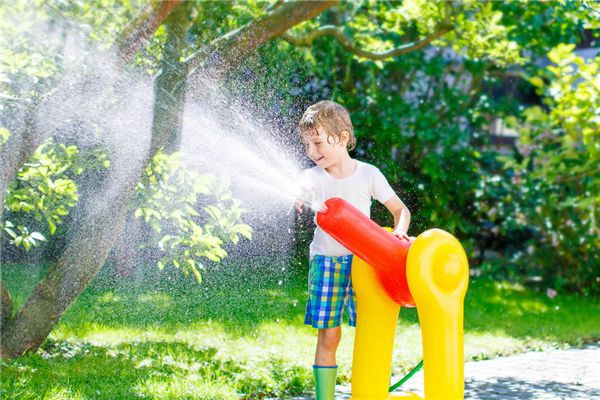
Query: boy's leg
[(327, 344), (325, 368), (328, 279)]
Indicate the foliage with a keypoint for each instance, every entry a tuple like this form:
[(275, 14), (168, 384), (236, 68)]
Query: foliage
[(72, 30), (204, 23), (419, 119), (102, 20), (471, 28), (167, 199), (45, 189), (424, 117), (559, 21), (557, 175), (480, 35), (27, 65), (570, 129)]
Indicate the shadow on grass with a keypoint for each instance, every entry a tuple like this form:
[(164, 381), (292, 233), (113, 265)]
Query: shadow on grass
[(148, 369), (99, 372)]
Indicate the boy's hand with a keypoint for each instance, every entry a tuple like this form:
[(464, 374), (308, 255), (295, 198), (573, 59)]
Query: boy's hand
[(401, 235), (298, 205), (302, 197)]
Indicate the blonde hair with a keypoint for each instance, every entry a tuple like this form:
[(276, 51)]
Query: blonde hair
[(330, 116)]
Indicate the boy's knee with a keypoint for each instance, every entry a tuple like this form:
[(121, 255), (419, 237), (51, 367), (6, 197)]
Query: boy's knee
[(330, 337)]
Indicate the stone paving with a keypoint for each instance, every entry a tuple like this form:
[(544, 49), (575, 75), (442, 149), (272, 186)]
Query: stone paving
[(559, 374)]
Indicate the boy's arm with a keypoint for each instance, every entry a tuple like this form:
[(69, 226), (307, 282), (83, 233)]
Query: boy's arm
[(401, 216)]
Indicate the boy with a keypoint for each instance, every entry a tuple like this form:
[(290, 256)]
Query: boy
[(327, 132)]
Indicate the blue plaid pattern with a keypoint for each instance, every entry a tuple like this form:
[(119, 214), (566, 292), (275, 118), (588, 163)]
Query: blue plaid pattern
[(329, 292)]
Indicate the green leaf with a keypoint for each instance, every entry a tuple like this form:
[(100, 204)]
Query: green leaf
[(51, 226), (192, 267), (38, 236), (244, 230), (537, 82), (10, 232)]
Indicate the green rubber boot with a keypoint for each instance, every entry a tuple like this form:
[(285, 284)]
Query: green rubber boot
[(324, 382)]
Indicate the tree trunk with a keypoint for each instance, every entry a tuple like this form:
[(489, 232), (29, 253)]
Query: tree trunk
[(90, 246), (126, 254), (169, 87), (88, 249), (83, 257), (16, 151), (6, 303)]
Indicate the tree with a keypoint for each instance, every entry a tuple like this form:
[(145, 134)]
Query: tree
[(90, 245), (27, 329)]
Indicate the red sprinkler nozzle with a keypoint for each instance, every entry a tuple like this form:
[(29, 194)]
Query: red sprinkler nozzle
[(367, 240)]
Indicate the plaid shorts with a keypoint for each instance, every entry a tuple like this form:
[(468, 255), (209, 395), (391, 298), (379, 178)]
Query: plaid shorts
[(329, 292)]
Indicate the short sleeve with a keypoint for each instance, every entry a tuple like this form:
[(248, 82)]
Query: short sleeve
[(380, 188)]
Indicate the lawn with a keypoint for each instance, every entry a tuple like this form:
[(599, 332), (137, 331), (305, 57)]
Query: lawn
[(240, 334)]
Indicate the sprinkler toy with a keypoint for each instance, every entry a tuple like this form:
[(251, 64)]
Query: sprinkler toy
[(430, 272)]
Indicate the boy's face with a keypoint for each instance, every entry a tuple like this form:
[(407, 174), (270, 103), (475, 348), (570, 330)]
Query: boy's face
[(325, 153)]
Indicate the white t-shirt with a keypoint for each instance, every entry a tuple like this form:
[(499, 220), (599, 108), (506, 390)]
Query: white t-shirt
[(365, 184)]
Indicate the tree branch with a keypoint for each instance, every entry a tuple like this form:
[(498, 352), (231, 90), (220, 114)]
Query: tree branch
[(348, 44), (139, 29), (577, 177), (233, 47), (276, 4)]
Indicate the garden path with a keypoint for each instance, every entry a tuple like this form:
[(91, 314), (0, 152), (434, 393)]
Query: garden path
[(551, 375)]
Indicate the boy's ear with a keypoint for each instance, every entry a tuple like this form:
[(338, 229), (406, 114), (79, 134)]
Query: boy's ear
[(344, 137)]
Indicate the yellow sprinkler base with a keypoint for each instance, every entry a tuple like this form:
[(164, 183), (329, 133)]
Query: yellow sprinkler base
[(377, 315), (438, 275)]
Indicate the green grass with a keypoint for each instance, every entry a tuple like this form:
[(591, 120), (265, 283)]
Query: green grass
[(240, 334)]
